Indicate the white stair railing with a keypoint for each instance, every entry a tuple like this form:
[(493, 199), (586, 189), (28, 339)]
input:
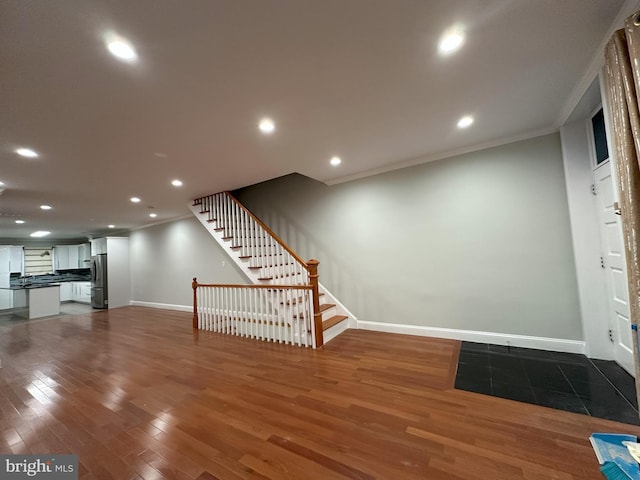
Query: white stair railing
[(267, 261), (282, 313), (268, 255)]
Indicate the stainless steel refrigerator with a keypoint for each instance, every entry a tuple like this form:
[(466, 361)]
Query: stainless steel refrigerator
[(99, 292)]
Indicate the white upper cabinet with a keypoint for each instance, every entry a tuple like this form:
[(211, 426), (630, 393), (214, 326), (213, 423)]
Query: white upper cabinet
[(11, 259), (84, 255), (67, 257), (16, 260), (98, 246), (61, 257)]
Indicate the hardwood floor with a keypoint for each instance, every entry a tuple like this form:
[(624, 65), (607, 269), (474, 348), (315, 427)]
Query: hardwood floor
[(138, 395)]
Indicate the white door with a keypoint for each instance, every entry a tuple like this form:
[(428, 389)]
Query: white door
[(613, 263)]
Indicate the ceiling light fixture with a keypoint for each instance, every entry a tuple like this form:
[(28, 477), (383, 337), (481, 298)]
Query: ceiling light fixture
[(267, 126), (465, 121), (40, 233), (122, 50), (19, 222), (27, 152), (153, 215), (176, 183), (335, 161), (451, 40), (46, 207), (135, 199), (112, 226)]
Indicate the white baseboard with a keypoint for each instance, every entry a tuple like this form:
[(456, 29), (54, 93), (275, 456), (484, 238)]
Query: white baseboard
[(165, 306), (525, 341)]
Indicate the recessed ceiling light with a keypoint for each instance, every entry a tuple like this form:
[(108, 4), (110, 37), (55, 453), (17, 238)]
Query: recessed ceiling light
[(46, 207), (27, 152), (267, 126), (451, 40), (19, 222), (465, 121), (123, 50), (153, 215), (335, 161), (112, 226), (40, 233), (176, 183), (135, 199)]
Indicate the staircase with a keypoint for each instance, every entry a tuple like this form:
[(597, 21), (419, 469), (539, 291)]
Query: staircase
[(266, 260)]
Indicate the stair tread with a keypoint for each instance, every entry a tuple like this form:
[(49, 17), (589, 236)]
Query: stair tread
[(330, 322), (326, 306)]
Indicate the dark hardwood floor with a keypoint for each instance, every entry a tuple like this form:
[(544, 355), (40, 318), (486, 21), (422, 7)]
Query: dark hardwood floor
[(138, 395)]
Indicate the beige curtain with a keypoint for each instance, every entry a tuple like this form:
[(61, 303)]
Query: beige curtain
[(622, 72)]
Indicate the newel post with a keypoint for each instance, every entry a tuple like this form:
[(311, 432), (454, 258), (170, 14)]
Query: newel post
[(312, 267), (194, 285)]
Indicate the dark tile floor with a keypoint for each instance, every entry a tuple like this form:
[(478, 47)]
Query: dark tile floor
[(558, 380)]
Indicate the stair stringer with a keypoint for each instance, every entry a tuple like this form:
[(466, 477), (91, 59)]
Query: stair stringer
[(339, 309)]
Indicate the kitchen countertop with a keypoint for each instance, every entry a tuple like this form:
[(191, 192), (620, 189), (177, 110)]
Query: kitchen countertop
[(30, 287)]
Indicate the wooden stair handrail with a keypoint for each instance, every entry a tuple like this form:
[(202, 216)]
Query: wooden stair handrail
[(195, 284), (269, 231)]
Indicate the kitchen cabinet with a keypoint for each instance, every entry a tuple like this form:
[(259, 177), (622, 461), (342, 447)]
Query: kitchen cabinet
[(11, 261), (12, 299), (16, 260), (61, 257), (98, 246), (84, 255), (66, 292), (73, 256), (11, 258), (75, 292), (6, 299), (81, 292), (68, 257)]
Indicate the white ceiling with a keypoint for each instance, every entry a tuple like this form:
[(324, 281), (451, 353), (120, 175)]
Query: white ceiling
[(361, 79)]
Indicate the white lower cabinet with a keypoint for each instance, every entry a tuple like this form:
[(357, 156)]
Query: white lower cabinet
[(6, 299), (81, 292), (65, 292), (85, 292), (75, 292)]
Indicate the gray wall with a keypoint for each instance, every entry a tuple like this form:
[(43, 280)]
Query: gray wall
[(477, 242), (165, 258)]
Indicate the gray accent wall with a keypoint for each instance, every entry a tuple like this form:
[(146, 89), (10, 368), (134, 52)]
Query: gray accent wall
[(477, 242), (166, 257)]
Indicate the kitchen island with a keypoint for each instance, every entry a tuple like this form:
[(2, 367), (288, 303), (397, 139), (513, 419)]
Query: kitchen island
[(38, 300)]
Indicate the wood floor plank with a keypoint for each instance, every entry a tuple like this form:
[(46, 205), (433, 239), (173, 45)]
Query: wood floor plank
[(137, 394)]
